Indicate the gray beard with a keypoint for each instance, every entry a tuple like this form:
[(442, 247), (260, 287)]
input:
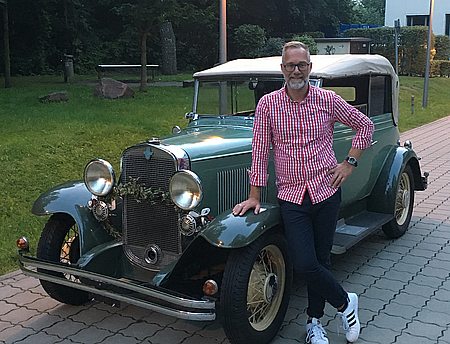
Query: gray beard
[(297, 85)]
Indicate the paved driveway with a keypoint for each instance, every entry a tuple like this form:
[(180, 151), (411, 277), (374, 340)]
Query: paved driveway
[(404, 285)]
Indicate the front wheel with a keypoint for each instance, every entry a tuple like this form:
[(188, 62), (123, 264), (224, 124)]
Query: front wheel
[(255, 290), (60, 243), (403, 209)]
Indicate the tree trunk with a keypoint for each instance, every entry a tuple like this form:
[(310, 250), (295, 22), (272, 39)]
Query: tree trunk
[(169, 50), (143, 86), (6, 46)]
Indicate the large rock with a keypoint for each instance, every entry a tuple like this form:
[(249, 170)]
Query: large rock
[(61, 96), (112, 89)]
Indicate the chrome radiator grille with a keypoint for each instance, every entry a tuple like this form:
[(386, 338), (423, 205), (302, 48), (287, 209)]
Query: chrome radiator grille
[(146, 225), (233, 187)]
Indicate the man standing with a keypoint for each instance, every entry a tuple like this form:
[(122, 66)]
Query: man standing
[(298, 121)]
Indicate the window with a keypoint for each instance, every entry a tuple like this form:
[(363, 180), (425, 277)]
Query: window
[(355, 90), (380, 99), (348, 93), (417, 20)]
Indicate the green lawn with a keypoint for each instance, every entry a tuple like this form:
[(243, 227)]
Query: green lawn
[(438, 101), (42, 145)]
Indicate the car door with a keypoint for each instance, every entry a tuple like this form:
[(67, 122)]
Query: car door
[(374, 98)]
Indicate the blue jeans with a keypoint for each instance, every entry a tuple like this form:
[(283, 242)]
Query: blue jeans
[(309, 230)]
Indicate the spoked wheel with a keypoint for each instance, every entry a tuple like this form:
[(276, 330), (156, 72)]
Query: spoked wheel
[(404, 202), (255, 290), (59, 242)]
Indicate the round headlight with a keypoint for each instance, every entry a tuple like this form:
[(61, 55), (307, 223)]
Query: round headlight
[(185, 190), (99, 177)]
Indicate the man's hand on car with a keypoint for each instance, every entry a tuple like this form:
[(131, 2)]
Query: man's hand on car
[(251, 203)]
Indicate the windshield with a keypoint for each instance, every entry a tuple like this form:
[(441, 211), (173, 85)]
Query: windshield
[(233, 97)]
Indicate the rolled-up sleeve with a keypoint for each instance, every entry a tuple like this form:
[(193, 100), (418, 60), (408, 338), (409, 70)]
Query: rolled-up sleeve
[(260, 144), (350, 116)]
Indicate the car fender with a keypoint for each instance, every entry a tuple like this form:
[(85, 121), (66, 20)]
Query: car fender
[(225, 231), (71, 198), (229, 231), (382, 198)]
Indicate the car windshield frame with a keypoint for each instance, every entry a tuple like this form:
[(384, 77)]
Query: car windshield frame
[(240, 93)]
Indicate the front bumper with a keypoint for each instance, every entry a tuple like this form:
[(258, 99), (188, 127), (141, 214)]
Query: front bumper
[(145, 296)]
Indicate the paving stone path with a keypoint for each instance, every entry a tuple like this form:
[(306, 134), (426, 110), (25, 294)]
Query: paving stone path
[(404, 285)]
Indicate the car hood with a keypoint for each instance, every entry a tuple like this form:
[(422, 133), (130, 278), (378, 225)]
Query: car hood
[(212, 140)]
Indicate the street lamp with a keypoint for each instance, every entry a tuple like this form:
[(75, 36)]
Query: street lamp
[(396, 34), (223, 54), (223, 31), (427, 66)]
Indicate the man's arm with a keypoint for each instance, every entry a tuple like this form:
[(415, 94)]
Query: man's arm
[(364, 127), (260, 157), (343, 170)]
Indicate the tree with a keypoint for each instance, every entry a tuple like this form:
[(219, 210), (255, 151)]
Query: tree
[(369, 11), (249, 40), (145, 17), (196, 28), (6, 56), (281, 18)]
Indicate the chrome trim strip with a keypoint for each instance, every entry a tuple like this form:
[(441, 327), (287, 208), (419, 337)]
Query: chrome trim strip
[(195, 100), (206, 309), (221, 156), (177, 153)]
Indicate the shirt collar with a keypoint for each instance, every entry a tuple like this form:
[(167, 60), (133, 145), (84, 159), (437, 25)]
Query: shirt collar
[(311, 90)]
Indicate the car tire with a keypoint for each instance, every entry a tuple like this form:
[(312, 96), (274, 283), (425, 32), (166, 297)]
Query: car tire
[(403, 205), (255, 290), (59, 243)]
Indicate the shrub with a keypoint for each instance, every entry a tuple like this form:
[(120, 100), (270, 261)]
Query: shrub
[(309, 41), (442, 46), (444, 68), (273, 47), (412, 46), (249, 40), (435, 68)]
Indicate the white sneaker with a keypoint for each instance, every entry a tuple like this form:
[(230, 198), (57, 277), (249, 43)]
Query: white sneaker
[(350, 320), (315, 334)]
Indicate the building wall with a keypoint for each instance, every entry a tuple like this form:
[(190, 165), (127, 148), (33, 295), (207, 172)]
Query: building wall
[(333, 48), (399, 9)]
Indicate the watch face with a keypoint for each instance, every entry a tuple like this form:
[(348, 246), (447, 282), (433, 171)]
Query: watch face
[(352, 161)]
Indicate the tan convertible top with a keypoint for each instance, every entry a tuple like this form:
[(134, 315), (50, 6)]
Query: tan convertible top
[(323, 66)]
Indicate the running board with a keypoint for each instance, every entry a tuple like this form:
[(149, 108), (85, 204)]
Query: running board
[(354, 229)]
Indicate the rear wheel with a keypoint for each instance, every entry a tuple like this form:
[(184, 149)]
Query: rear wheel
[(59, 242), (404, 202), (255, 290)]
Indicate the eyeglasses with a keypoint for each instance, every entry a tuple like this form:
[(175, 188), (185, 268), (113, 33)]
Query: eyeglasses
[(290, 67)]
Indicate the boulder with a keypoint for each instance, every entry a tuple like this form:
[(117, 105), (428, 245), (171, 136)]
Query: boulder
[(112, 89), (61, 96)]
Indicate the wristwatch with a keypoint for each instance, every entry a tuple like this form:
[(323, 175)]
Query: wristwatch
[(352, 161)]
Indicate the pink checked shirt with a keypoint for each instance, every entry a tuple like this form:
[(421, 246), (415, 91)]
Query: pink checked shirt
[(301, 134)]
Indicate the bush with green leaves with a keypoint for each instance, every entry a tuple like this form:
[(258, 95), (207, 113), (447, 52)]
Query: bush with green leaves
[(273, 47), (442, 46), (445, 68), (440, 68), (309, 41), (412, 46), (249, 40)]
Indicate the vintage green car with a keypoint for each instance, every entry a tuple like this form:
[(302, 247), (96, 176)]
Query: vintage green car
[(163, 237)]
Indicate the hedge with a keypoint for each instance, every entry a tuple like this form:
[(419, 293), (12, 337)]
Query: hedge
[(440, 68), (412, 46)]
